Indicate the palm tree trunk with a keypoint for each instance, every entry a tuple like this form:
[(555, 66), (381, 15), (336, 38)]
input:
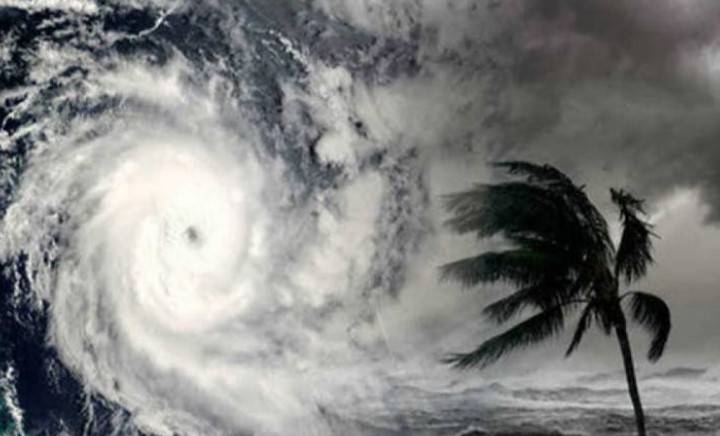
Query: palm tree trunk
[(624, 342)]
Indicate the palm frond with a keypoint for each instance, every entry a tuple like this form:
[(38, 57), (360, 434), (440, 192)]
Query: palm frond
[(543, 295), (635, 250), (597, 236), (594, 234), (533, 172), (651, 312), (509, 208), (627, 201), (583, 324), (519, 267), (535, 329), (605, 315)]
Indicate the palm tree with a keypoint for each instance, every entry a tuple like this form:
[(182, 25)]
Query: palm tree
[(559, 259)]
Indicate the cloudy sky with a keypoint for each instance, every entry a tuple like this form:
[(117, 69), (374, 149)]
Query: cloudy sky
[(617, 94), (361, 115)]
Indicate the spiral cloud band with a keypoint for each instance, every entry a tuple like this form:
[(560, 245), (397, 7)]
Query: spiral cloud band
[(216, 217), (181, 281)]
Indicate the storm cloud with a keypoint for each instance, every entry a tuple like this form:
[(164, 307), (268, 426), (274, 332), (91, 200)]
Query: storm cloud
[(626, 88)]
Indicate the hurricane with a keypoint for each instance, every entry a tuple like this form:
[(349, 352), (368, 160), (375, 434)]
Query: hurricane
[(152, 256), (190, 273), (230, 218)]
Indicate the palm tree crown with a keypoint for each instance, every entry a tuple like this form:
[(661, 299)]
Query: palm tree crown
[(560, 259)]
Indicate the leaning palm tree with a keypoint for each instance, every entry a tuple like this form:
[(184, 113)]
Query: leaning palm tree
[(559, 259)]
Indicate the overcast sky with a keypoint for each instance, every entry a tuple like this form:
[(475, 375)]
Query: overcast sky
[(617, 94), (625, 94)]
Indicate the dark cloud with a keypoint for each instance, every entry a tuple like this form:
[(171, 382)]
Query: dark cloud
[(580, 40), (626, 87)]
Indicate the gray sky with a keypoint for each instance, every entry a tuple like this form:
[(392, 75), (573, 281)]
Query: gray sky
[(617, 94), (625, 94)]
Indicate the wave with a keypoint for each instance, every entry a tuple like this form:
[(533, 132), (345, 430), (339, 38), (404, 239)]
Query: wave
[(681, 372)]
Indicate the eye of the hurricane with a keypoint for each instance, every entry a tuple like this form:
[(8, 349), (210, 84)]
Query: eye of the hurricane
[(193, 236), (178, 225)]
